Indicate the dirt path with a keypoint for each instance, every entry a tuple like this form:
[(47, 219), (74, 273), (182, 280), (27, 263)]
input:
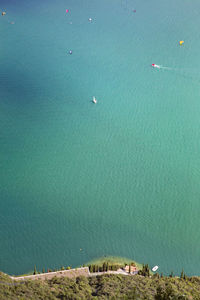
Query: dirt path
[(66, 273), (73, 273)]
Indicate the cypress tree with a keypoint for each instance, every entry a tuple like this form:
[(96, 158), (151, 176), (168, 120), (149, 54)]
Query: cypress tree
[(104, 267), (146, 270), (107, 267), (182, 273), (171, 274), (43, 270), (156, 275), (35, 270)]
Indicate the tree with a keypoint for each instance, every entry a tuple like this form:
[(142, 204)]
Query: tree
[(171, 274), (145, 270), (35, 270), (104, 267), (43, 270), (156, 275), (107, 267), (96, 268), (182, 274), (166, 293), (91, 268)]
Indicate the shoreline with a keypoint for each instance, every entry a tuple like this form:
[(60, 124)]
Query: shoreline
[(84, 270)]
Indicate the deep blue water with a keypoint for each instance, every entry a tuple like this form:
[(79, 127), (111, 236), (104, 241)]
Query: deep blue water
[(117, 178)]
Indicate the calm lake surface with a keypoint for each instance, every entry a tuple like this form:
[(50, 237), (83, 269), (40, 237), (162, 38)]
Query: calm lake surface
[(121, 177)]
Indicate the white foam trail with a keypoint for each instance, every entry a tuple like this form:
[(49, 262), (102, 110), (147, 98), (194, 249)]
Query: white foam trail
[(161, 67), (189, 73), (166, 68)]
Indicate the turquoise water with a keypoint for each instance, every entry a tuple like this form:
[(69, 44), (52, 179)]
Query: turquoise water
[(117, 178)]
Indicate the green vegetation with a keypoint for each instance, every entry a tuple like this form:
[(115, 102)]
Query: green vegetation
[(113, 260), (103, 287), (104, 267), (111, 263), (145, 271), (34, 272)]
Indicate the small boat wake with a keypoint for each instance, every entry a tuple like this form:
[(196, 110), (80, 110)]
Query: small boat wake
[(187, 73), (160, 67)]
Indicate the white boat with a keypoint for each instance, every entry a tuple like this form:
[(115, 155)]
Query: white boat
[(94, 100), (154, 269), (156, 66)]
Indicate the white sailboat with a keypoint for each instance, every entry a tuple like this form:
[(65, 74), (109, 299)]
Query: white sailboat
[(94, 100)]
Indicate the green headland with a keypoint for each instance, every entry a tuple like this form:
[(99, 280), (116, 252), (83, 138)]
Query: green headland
[(141, 286), (113, 260)]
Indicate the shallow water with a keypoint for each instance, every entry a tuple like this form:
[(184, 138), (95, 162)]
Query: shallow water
[(117, 178)]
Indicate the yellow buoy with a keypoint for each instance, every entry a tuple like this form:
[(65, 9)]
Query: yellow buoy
[(181, 42)]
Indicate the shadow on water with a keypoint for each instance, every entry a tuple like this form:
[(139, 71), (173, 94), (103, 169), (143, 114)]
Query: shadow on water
[(18, 85)]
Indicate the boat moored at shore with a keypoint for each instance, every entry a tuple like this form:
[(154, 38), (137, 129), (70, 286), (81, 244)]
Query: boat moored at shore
[(154, 269)]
